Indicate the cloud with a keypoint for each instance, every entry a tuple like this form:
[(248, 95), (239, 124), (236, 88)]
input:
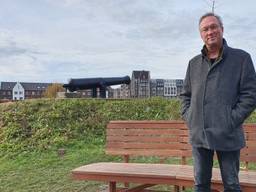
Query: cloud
[(11, 50), (21, 66), (61, 39)]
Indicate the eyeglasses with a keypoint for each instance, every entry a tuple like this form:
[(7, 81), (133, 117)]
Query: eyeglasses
[(212, 27)]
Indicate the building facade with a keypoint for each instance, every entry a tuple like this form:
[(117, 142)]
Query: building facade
[(125, 91), (156, 88), (159, 87), (140, 84), (170, 88), (179, 85), (153, 88), (22, 90), (18, 92)]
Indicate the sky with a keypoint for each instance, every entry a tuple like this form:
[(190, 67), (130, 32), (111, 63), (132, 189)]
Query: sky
[(55, 40)]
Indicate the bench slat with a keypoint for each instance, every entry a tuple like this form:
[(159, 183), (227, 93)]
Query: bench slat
[(144, 139), (144, 152), (251, 136), (144, 131), (139, 145)]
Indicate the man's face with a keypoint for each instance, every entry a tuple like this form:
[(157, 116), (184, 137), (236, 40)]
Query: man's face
[(211, 32)]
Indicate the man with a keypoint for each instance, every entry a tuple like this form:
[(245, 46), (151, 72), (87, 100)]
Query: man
[(219, 94)]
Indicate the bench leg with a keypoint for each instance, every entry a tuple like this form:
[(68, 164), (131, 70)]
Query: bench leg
[(215, 190), (112, 186), (176, 188)]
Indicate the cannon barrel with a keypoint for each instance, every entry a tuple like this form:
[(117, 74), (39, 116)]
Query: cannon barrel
[(90, 83)]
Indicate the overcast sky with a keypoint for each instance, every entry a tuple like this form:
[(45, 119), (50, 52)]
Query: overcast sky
[(55, 40)]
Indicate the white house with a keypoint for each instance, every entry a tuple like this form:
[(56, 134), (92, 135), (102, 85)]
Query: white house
[(18, 92)]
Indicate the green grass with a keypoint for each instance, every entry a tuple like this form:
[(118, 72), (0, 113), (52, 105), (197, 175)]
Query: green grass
[(46, 171)]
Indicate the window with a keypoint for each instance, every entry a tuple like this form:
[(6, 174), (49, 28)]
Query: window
[(21, 92), (15, 92)]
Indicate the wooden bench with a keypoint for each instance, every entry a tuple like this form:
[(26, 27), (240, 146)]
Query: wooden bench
[(159, 139)]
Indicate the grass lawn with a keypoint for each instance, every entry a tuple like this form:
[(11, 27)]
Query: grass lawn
[(46, 171)]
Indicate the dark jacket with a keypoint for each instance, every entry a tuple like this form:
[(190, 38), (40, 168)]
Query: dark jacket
[(218, 98)]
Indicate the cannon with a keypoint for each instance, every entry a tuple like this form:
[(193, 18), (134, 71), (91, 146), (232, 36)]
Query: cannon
[(94, 83)]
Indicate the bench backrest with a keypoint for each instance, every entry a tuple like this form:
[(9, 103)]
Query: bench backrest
[(248, 154), (162, 138)]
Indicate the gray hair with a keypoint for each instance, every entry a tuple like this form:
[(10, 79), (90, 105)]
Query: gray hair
[(211, 14)]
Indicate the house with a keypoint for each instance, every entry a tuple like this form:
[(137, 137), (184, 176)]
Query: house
[(18, 92), (22, 90)]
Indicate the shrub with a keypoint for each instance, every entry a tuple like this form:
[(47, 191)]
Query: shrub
[(49, 123)]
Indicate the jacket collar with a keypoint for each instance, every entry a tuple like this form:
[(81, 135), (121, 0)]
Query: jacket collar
[(224, 49)]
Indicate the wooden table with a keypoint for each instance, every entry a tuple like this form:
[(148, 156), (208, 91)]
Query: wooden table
[(151, 174)]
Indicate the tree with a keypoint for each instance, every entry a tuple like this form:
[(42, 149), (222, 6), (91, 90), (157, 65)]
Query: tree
[(52, 90)]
